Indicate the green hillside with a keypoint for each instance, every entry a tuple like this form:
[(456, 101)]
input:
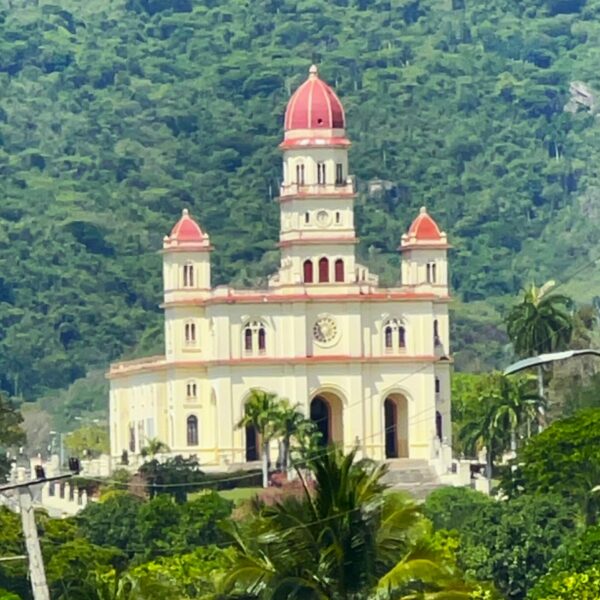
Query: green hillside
[(116, 114)]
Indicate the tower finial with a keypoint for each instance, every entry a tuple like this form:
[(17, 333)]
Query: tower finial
[(423, 210), (313, 72)]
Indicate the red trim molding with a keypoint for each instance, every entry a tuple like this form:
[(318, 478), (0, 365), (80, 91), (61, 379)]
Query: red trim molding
[(290, 298), (263, 361)]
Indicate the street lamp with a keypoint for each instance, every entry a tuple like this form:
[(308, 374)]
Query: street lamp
[(542, 359)]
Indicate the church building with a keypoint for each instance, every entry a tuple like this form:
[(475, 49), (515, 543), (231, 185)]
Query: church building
[(370, 365)]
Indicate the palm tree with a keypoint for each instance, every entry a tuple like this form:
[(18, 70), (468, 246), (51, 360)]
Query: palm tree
[(481, 430), (541, 322), (505, 406), (344, 540), (292, 424), (262, 412), (516, 403), (153, 447)]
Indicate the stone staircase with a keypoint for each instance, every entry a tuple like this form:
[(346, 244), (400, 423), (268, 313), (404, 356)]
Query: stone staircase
[(414, 476)]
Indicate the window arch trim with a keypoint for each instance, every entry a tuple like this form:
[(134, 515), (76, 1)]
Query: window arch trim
[(192, 430), (254, 337), (394, 335)]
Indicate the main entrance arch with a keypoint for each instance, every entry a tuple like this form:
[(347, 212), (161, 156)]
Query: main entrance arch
[(395, 417), (326, 411)]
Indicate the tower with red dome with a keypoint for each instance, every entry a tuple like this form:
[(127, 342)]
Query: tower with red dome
[(317, 236), (369, 365)]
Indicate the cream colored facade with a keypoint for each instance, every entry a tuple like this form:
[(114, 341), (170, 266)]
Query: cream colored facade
[(370, 365)]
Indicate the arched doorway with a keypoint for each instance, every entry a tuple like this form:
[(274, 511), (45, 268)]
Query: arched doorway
[(252, 452), (395, 417), (326, 413), (391, 428)]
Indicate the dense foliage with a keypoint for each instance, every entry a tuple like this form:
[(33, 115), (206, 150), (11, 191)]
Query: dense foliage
[(116, 115), (11, 433), (507, 543), (341, 540), (563, 459)]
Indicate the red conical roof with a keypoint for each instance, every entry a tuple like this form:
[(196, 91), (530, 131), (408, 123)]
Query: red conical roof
[(186, 229), (314, 105), (186, 236), (424, 227)]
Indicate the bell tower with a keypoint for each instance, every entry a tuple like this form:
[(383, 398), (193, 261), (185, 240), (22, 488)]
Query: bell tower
[(317, 236), (425, 256)]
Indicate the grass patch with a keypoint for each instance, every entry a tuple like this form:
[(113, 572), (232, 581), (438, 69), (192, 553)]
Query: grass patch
[(239, 494)]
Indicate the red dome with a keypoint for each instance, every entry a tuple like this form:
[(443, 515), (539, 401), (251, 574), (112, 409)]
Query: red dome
[(186, 229), (314, 105), (424, 227)]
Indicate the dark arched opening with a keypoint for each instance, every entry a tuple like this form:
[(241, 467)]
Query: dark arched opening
[(251, 443), (438, 424), (339, 270), (391, 428), (324, 270), (308, 271), (319, 415), (192, 430), (395, 411)]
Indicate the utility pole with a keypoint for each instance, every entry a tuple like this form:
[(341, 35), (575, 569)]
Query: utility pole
[(37, 574)]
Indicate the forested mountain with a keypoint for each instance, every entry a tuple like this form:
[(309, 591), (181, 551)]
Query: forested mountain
[(116, 114)]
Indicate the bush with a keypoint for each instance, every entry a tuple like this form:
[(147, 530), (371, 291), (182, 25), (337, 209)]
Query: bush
[(449, 508)]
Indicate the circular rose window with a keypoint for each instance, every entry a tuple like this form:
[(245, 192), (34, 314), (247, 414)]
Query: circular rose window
[(325, 330)]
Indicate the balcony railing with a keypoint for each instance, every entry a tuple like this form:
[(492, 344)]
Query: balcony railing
[(294, 189)]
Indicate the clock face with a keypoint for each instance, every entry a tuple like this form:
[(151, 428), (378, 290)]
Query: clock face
[(325, 330), (323, 218)]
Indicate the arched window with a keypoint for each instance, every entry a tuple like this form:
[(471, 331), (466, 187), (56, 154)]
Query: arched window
[(321, 173), (323, 270), (307, 217), (188, 275), (255, 337), (248, 339), (436, 334), (300, 174), (339, 173), (192, 430), (339, 270), (394, 335), (191, 389), (308, 271), (438, 424), (190, 334), (338, 217), (389, 343), (437, 385), (431, 272)]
